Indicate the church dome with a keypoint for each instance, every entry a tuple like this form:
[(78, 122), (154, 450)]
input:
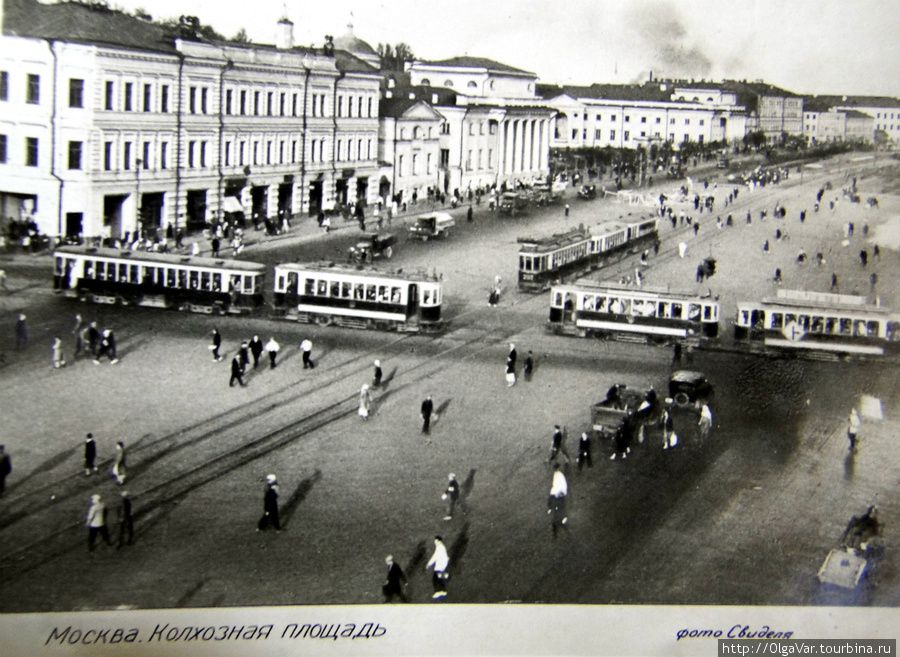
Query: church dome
[(354, 45)]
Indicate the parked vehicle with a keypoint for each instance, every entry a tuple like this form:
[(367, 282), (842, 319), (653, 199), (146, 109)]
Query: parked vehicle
[(689, 387), (371, 246), (544, 194), (587, 192), (512, 203), (434, 224)]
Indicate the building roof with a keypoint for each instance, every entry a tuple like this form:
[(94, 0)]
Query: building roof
[(476, 62), (350, 63), (353, 44), (854, 114), (856, 101)]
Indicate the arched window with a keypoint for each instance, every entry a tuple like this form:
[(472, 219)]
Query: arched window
[(491, 84), (472, 84), (426, 82), (709, 100), (417, 132), (448, 83)]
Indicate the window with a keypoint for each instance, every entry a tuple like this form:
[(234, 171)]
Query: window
[(256, 95), (627, 119), (243, 103), (448, 83), (192, 152), (242, 149), (31, 151), (574, 134), (294, 151), (281, 152), (597, 134), (612, 118), (312, 152), (4, 85), (203, 148), (627, 135), (472, 84), (192, 100), (255, 152), (269, 103), (671, 121), (107, 155), (75, 154), (164, 98), (2, 149), (109, 97), (126, 156), (428, 168), (146, 157), (612, 135), (687, 121), (294, 105), (370, 107), (281, 104), (643, 119), (76, 92), (203, 99), (129, 90), (340, 150), (340, 107), (229, 97), (227, 153), (164, 155), (599, 117), (269, 152), (415, 164), (33, 90), (702, 122), (400, 166)]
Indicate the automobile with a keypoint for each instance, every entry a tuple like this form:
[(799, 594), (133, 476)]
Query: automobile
[(512, 203), (544, 194), (587, 192), (371, 246), (722, 163), (689, 387), (434, 224), (608, 416)]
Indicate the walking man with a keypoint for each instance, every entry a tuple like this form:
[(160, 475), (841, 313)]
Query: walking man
[(427, 410), (237, 371), (306, 350), (556, 503), (107, 348), (126, 521), (376, 378), (854, 423), (272, 348), (5, 468), (90, 455), (451, 496), (440, 560), (584, 451), (244, 354), (395, 581), (270, 506), (510, 373), (705, 422), (528, 370), (118, 469), (557, 444), (256, 349), (365, 399), (21, 331), (96, 522), (58, 359), (93, 338), (216, 344)]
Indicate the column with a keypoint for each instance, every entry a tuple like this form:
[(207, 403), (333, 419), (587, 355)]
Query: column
[(526, 159)]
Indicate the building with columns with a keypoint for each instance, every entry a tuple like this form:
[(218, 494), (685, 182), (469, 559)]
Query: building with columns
[(114, 124)]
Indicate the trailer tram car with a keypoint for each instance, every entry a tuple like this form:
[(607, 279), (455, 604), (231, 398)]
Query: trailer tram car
[(815, 322), (344, 295), (159, 280), (544, 261), (611, 310)]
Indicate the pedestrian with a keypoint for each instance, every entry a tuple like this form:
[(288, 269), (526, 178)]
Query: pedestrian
[(306, 350), (766, 247), (195, 249), (5, 468), (584, 451), (510, 373), (557, 444), (556, 502), (93, 338), (107, 347), (376, 377), (864, 257), (427, 410), (237, 371), (705, 422), (395, 581), (57, 358), (528, 369), (567, 210), (682, 249), (469, 214), (3, 280), (21, 331), (873, 280), (118, 469), (451, 496), (215, 244), (777, 278), (244, 354), (90, 455), (669, 437), (440, 560), (126, 521), (96, 522), (256, 349), (876, 253), (622, 439), (272, 348), (270, 506), (216, 344), (364, 400), (853, 425), (834, 282)]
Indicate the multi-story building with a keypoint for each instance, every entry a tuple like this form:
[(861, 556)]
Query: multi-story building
[(883, 110), (111, 124)]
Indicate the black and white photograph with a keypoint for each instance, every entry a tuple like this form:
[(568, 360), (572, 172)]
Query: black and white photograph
[(469, 328)]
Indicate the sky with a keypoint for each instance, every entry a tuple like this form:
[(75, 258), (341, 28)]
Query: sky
[(806, 46)]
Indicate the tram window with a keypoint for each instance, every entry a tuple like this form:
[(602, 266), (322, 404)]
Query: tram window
[(601, 304), (790, 317), (170, 278), (123, 272), (662, 309), (804, 322), (817, 325), (777, 320), (88, 268), (860, 328), (358, 291), (204, 281), (336, 289), (873, 327), (588, 302), (846, 326), (830, 323), (693, 311), (101, 271), (524, 263), (396, 295), (760, 321), (383, 293), (182, 279), (279, 283), (217, 282), (677, 310), (195, 280), (370, 293), (745, 318), (893, 331), (110, 271), (707, 312), (310, 286), (346, 290), (134, 276), (59, 266), (615, 306), (249, 284), (234, 283), (426, 297), (160, 276), (543, 266), (322, 288)]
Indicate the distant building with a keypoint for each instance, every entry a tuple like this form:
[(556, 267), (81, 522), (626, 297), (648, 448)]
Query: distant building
[(884, 111)]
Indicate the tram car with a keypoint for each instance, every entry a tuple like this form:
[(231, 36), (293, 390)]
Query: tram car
[(612, 310), (801, 321), (344, 295), (544, 261), (160, 280)]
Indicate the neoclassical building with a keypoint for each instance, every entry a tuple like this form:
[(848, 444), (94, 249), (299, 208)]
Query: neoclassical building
[(109, 123)]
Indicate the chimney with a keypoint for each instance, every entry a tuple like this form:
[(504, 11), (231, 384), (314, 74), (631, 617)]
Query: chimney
[(651, 76), (284, 36)]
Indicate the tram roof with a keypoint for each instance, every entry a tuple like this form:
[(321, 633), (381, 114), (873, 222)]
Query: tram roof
[(328, 267), (556, 239), (645, 292), (813, 305), (171, 259)]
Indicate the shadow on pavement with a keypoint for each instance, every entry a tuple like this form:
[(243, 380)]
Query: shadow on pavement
[(299, 494)]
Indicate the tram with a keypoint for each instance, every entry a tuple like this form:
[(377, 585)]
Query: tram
[(627, 312), (544, 261), (161, 280), (328, 293), (797, 320)]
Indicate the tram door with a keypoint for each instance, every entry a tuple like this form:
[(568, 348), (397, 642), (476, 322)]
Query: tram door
[(412, 301)]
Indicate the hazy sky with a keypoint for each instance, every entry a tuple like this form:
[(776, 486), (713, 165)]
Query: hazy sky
[(807, 46)]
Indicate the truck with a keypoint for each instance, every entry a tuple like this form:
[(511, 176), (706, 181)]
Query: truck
[(513, 203), (433, 224), (372, 245)]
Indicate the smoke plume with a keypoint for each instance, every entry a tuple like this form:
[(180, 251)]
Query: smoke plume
[(665, 47)]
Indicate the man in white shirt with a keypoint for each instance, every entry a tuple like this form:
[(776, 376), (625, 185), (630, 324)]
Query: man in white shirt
[(440, 560), (556, 504)]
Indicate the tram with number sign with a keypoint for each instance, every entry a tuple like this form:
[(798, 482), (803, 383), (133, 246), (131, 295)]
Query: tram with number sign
[(160, 280), (801, 321), (544, 261), (329, 293), (612, 310)]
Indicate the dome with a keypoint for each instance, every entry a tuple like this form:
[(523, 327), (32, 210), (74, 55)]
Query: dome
[(354, 45)]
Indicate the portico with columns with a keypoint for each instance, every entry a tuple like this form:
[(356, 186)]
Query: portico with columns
[(525, 145)]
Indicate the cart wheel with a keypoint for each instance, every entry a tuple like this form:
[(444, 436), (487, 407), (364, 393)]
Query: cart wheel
[(682, 399)]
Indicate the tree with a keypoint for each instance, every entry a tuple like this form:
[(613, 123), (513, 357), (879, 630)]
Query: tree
[(394, 58), (755, 140), (241, 36)]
